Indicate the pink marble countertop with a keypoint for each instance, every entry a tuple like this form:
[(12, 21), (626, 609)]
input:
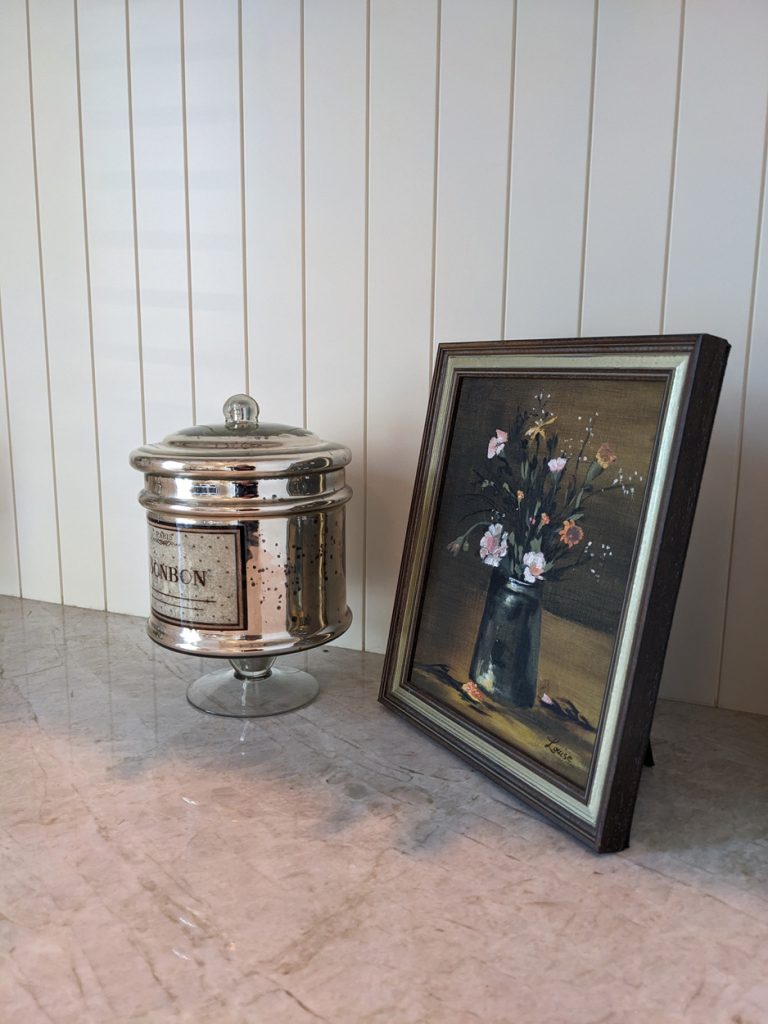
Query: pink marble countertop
[(333, 864)]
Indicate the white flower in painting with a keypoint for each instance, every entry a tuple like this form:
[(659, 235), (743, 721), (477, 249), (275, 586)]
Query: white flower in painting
[(493, 544), (557, 465), (496, 444), (534, 562)]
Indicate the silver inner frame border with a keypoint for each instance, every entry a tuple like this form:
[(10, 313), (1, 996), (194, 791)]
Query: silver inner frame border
[(587, 812)]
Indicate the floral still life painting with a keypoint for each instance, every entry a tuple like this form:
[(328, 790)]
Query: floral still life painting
[(527, 566), (536, 490), (547, 501)]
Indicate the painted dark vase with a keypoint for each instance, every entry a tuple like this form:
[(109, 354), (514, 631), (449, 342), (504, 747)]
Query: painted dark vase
[(505, 662)]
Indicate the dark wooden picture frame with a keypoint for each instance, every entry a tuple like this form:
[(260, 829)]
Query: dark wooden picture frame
[(537, 655)]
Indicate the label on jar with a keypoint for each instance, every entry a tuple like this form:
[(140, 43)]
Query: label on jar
[(196, 575)]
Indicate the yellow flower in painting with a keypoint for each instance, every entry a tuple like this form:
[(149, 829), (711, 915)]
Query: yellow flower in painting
[(571, 533), (520, 495), (605, 455), (537, 430)]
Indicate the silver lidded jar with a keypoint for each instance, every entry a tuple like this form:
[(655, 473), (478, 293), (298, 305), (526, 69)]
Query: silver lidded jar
[(246, 552)]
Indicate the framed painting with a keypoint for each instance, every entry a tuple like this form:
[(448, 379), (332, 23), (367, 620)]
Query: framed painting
[(551, 514)]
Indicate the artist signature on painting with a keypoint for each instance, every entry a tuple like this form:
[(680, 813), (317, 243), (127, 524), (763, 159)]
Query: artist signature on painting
[(553, 744)]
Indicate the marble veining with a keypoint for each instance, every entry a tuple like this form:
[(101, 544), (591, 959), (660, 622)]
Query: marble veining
[(333, 864)]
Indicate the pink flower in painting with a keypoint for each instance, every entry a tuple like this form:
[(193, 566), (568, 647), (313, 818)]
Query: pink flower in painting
[(493, 544), (557, 465), (534, 562), (473, 690), (496, 444)]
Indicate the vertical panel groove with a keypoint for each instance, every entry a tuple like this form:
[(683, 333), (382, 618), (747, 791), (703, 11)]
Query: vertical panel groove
[(242, 195), (433, 313), (588, 169), (507, 205), (335, 140), (366, 276), (10, 450), (550, 140), (134, 218), (89, 297), (742, 409), (673, 170), (185, 147), (302, 154), (43, 303)]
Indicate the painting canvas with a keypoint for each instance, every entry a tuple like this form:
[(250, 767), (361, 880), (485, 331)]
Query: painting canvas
[(536, 529), (535, 538)]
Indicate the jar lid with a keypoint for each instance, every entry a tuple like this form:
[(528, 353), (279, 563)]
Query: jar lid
[(240, 446)]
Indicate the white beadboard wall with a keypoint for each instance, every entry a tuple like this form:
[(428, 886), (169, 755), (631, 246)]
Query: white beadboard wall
[(300, 198)]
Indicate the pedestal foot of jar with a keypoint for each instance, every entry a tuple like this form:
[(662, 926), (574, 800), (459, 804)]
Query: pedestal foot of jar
[(252, 688)]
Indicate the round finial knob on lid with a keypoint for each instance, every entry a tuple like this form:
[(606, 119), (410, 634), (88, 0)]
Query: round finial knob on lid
[(241, 410)]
